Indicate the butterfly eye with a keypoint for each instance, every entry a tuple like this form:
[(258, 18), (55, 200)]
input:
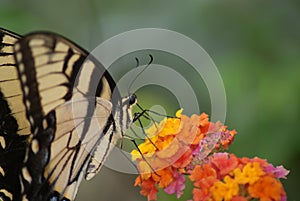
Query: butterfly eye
[(132, 99)]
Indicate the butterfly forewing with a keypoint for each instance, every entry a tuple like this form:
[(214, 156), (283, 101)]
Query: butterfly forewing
[(45, 68), (62, 98), (58, 76), (10, 88), (14, 127)]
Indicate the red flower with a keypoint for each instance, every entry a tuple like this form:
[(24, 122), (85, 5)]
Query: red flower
[(224, 163), (147, 188)]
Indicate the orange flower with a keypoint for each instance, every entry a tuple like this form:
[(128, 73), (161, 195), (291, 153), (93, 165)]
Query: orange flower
[(267, 188), (201, 195), (227, 137), (245, 160), (184, 160), (148, 189), (163, 177), (162, 135), (204, 178), (203, 192), (188, 146), (224, 163), (204, 122), (157, 163), (190, 130), (202, 172), (239, 198)]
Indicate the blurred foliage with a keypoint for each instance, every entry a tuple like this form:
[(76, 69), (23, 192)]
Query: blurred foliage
[(254, 44)]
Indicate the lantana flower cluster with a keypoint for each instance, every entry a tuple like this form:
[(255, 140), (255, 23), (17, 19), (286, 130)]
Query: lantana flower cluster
[(193, 148)]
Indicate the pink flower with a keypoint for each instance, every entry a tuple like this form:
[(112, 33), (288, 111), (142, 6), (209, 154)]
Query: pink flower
[(177, 185), (279, 171), (283, 198)]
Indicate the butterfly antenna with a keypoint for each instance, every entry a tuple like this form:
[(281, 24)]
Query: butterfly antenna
[(135, 165), (130, 161), (146, 111), (138, 63), (144, 132), (145, 114)]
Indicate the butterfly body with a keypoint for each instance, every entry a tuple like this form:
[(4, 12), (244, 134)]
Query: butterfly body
[(60, 115)]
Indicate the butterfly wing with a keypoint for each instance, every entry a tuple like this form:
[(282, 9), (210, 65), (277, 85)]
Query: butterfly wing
[(67, 149), (52, 70), (54, 73), (48, 74), (14, 127), (12, 110)]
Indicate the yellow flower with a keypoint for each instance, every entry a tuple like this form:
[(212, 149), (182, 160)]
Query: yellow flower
[(249, 174), (162, 135), (145, 170), (168, 126), (225, 190)]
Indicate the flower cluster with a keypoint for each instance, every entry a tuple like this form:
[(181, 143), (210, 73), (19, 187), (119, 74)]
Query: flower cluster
[(192, 148)]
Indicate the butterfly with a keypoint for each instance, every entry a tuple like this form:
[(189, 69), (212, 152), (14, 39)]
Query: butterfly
[(60, 115)]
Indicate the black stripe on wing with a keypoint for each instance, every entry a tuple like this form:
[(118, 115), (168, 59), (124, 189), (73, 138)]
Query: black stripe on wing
[(63, 155), (12, 108), (52, 70), (14, 127)]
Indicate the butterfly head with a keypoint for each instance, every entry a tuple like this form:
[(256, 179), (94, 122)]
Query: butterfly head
[(127, 104), (132, 100), (125, 115)]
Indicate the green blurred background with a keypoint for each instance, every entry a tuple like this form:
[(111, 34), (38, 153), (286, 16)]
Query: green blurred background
[(254, 44)]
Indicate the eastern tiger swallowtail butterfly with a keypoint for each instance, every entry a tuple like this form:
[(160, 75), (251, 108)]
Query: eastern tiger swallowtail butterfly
[(60, 114)]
